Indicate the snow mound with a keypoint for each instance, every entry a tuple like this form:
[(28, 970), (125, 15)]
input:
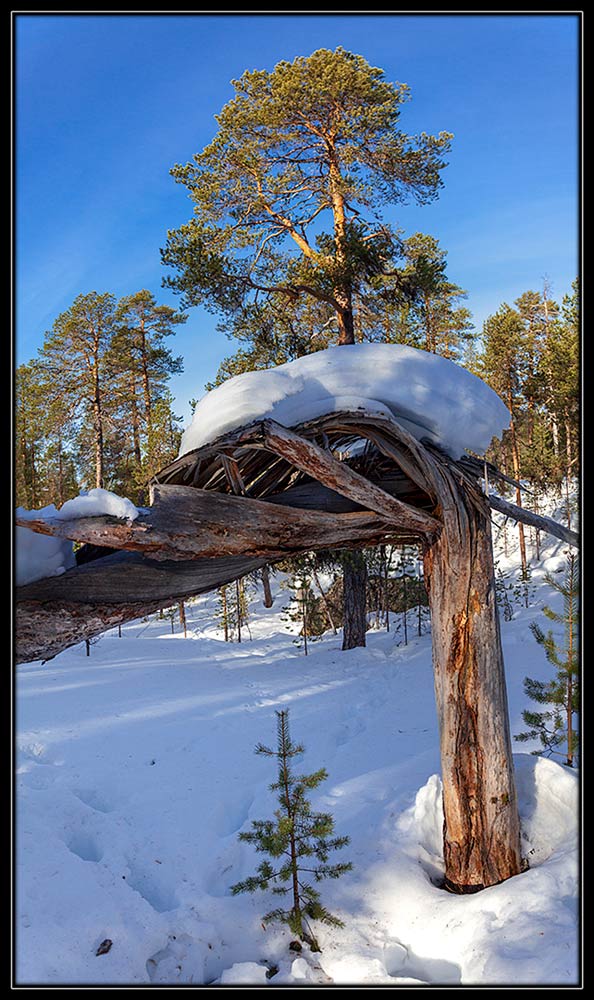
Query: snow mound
[(429, 395), (548, 805), (40, 556), (548, 796), (96, 503)]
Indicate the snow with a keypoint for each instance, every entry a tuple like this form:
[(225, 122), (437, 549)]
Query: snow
[(96, 503), (136, 772), (429, 395), (39, 556)]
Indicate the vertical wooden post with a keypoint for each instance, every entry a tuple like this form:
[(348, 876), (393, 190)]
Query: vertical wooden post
[(481, 821)]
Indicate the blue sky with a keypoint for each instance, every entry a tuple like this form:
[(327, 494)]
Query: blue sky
[(105, 105)]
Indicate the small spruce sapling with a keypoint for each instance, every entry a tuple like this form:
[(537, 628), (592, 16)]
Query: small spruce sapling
[(298, 842)]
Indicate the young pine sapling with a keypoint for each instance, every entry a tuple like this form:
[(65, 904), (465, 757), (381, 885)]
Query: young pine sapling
[(298, 842), (555, 726)]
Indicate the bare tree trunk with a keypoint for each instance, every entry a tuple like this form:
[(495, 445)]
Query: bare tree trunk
[(98, 427), (265, 575), (182, 618), (238, 607), (354, 600), (225, 613), (516, 468), (481, 821)]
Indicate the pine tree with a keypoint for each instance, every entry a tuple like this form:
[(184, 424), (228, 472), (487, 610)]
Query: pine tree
[(298, 842), (142, 366), (29, 425), (314, 139), (503, 364), (73, 361), (555, 726)]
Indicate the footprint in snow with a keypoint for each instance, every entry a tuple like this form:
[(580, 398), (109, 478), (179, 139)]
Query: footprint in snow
[(157, 893), (93, 799), (84, 845), (228, 818)]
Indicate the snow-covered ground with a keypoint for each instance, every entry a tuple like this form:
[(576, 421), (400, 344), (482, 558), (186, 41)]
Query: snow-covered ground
[(136, 772)]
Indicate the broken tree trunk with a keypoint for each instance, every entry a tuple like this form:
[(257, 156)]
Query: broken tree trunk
[(481, 821), (61, 611), (301, 497)]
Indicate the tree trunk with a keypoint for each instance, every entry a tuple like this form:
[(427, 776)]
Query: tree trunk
[(238, 607), (481, 821), (345, 319), (98, 427), (225, 613), (265, 574), (516, 468), (354, 600)]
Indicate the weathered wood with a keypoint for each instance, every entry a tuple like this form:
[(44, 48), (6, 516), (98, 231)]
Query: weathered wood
[(481, 829), (61, 611), (534, 520), (338, 476), (184, 522)]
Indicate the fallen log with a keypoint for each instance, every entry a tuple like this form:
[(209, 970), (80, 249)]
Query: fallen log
[(546, 524), (61, 611), (186, 523)]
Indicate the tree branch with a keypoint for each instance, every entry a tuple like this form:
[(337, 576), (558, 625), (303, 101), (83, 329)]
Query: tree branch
[(534, 520)]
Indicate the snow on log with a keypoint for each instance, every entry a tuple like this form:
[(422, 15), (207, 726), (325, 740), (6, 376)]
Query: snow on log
[(430, 396)]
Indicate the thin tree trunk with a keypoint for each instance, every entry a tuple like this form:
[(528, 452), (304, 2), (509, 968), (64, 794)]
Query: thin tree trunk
[(98, 422), (145, 378), (516, 468), (354, 600), (481, 821), (238, 608), (182, 618), (292, 841), (405, 600), (265, 577), (60, 471), (387, 589), (225, 613), (304, 616)]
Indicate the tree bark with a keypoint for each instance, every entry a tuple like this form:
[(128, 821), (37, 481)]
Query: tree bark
[(265, 575), (354, 600), (481, 821)]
